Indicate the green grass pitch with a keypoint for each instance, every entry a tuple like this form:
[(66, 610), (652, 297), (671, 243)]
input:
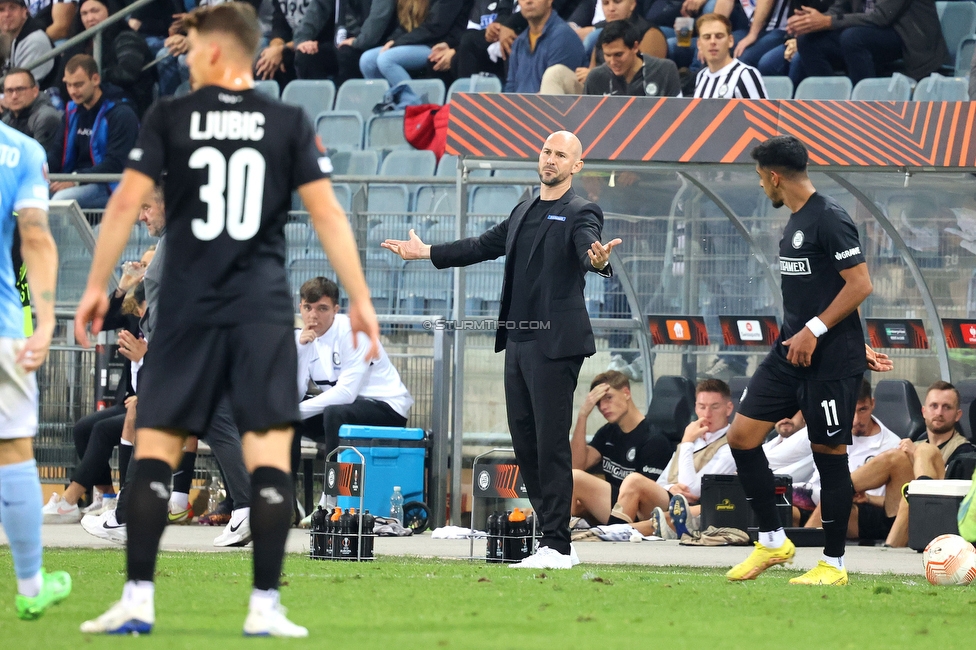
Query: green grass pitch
[(396, 603)]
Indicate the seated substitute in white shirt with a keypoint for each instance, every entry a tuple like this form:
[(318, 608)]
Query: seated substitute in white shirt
[(349, 389), (870, 437), (703, 450), (789, 452)]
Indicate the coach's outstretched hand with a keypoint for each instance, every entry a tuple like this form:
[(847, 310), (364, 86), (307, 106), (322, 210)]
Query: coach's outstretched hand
[(600, 254), (878, 361), (362, 317), (91, 309), (413, 248)]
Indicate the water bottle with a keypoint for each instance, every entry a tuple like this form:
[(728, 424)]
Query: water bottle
[(319, 518), (346, 539), (396, 505), (215, 492), (332, 534), (517, 542), (369, 522)]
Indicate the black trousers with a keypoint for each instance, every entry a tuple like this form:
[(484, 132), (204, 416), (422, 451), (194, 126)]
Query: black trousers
[(96, 436), (539, 398), (472, 57), (347, 63), (325, 428)]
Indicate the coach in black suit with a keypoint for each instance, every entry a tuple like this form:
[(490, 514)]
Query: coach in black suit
[(549, 243)]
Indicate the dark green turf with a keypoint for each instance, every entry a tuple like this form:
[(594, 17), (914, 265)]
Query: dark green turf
[(396, 603)]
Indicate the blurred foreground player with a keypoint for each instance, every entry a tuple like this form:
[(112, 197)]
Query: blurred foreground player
[(23, 187), (232, 158), (815, 366)]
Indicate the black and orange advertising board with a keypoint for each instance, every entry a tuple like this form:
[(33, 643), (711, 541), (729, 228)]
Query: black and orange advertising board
[(498, 481), (897, 333), (343, 479), (677, 330), (749, 330)]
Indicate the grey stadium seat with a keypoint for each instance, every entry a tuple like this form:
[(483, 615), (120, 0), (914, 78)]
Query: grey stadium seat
[(411, 163), (958, 21), (269, 87), (896, 404), (361, 95), (964, 55), (936, 88), (424, 290), (483, 83), (340, 130), (436, 200), (967, 393), (433, 89), (483, 287), (894, 89), (494, 199), (447, 165), (386, 132), (314, 95), (824, 88), (778, 87)]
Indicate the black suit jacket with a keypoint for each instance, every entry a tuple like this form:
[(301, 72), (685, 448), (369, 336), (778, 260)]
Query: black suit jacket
[(564, 245)]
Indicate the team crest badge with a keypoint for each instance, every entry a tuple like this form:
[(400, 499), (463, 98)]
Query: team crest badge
[(798, 239)]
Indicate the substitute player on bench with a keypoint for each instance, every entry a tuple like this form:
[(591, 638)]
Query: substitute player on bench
[(815, 366), (232, 158)]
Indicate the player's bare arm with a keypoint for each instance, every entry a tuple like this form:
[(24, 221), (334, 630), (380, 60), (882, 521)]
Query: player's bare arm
[(120, 215), (585, 456), (330, 222), (409, 249), (857, 287), (40, 254)]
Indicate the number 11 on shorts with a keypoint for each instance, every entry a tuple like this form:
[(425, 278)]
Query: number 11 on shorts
[(830, 412)]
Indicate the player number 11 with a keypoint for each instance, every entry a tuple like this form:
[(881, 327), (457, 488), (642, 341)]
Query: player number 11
[(830, 412), (242, 178)]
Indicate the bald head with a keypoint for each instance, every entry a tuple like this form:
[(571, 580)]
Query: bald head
[(560, 158)]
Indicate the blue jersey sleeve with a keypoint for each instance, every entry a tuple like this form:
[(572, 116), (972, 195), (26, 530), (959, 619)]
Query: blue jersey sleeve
[(32, 188)]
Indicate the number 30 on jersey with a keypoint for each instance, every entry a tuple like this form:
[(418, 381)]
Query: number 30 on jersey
[(241, 178)]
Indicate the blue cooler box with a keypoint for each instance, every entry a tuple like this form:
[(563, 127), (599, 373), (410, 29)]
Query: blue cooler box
[(393, 456)]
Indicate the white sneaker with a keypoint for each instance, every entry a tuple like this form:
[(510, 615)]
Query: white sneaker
[(101, 505), (96, 501), (616, 363), (105, 526), (123, 619), (272, 622), (545, 558), (237, 532), (573, 557), (59, 511), (664, 531)]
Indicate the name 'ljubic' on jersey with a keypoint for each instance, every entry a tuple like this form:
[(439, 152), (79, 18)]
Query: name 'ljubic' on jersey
[(232, 160), (820, 241)]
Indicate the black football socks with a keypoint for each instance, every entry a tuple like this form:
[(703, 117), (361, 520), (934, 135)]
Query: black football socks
[(272, 505), (836, 498), (149, 501)]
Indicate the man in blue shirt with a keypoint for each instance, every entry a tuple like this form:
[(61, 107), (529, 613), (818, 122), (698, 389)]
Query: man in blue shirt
[(548, 41), (23, 187)]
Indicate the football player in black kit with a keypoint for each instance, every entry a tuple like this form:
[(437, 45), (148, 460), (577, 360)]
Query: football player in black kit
[(232, 158), (815, 366)]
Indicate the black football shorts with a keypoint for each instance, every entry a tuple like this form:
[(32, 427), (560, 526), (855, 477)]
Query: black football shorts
[(188, 369), (827, 405)]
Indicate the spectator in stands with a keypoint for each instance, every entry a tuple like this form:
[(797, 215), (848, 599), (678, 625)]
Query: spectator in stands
[(365, 24), (100, 130), (153, 21), (485, 48), (97, 435), (864, 37), (351, 391), (421, 24), (30, 111), (789, 452), (724, 77), (704, 449), (56, 17), (767, 31), (443, 58), (28, 42), (870, 438), (627, 71), (926, 457), (282, 61), (690, 57), (624, 445), (548, 41), (124, 53), (559, 79)]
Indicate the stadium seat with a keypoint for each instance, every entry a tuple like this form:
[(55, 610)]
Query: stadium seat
[(967, 394), (530, 175), (483, 83), (269, 87), (494, 199), (381, 276), (419, 163), (897, 405), (431, 91), (182, 89), (672, 405), (594, 293), (340, 130), (72, 280), (964, 56), (958, 21), (436, 200), (897, 88), (297, 238), (824, 88), (483, 287), (736, 386), (314, 95), (778, 87), (361, 95), (385, 132), (362, 163), (343, 194), (447, 165), (937, 88), (301, 270), (424, 290)]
